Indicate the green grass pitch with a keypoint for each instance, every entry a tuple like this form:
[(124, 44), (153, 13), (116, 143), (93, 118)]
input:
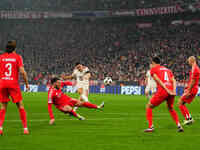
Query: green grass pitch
[(119, 127)]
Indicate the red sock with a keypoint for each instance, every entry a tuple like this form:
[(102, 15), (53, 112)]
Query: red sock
[(187, 112), (90, 105), (181, 107), (72, 112), (2, 116), (23, 118), (149, 116), (174, 116)]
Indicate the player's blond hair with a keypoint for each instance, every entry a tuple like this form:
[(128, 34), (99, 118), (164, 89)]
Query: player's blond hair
[(192, 58)]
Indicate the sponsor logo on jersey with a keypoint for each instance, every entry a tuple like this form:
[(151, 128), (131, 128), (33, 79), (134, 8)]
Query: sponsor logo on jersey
[(9, 59)]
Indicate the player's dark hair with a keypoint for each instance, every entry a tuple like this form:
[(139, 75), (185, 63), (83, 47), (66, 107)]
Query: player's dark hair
[(77, 63), (156, 60), (11, 46), (53, 80)]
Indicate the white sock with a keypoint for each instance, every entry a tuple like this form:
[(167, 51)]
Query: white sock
[(84, 98)]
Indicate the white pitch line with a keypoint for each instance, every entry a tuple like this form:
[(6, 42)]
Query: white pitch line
[(128, 114), (97, 119), (44, 120)]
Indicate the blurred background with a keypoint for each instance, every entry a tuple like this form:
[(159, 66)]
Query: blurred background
[(113, 38)]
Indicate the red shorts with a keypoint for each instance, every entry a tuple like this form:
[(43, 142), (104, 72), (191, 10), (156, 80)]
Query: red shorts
[(162, 96), (10, 91), (192, 95), (68, 102)]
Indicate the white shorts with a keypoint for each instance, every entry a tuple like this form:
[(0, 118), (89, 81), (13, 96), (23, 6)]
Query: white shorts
[(84, 86), (150, 88)]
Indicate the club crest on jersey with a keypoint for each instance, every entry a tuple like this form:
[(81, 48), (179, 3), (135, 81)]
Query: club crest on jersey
[(58, 94)]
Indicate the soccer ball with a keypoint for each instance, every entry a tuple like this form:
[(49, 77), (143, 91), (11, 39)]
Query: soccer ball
[(107, 80)]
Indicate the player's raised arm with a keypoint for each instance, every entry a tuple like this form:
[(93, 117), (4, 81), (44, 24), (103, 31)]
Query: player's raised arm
[(25, 77), (69, 77), (66, 83)]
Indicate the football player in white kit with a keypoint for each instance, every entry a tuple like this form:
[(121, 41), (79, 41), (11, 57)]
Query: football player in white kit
[(150, 84), (82, 75)]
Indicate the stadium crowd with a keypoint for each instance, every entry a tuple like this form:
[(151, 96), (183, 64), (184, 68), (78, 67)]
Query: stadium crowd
[(117, 49), (85, 5)]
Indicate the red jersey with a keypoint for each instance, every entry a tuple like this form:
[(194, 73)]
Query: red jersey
[(195, 75), (56, 96), (9, 67), (165, 75)]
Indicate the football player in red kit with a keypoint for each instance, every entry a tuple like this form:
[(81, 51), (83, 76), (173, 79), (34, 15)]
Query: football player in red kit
[(63, 102), (190, 91), (166, 91), (11, 64)]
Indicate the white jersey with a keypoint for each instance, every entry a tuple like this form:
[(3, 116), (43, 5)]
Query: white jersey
[(81, 80), (150, 81)]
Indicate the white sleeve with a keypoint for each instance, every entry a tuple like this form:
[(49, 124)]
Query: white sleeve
[(74, 73), (147, 74), (87, 69)]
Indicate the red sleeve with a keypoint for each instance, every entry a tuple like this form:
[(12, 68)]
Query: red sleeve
[(50, 111), (65, 83), (171, 74), (20, 61), (152, 71), (195, 73), (50, 96)]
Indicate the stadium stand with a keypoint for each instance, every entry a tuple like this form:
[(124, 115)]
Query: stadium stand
[(85, 5), (120, 50)]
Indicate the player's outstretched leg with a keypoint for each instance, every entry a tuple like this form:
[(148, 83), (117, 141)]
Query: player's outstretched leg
[(2, 116), (90, 105), (68, 109), (188, 117), (83, 98), (149, 117), (23, 117)]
